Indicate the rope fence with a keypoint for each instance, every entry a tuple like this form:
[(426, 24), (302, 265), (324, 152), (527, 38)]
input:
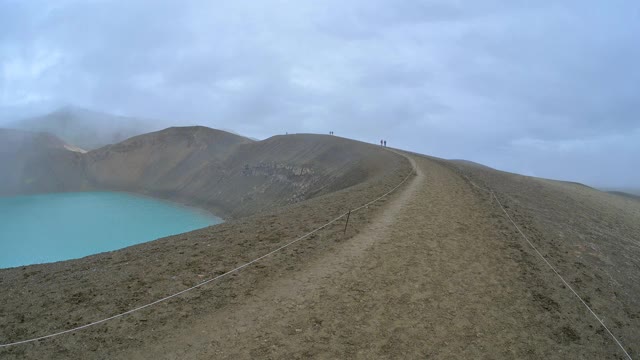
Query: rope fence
[(493, 196), (205, 282)]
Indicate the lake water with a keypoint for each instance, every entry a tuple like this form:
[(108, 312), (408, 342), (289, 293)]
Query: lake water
[(52, 227)]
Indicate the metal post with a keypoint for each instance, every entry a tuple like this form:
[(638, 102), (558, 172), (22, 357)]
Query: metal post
[(347, 223)]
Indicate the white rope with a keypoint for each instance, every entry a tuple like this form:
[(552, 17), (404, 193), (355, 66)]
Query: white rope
[(206, 281), (549, 264), (560, 276)]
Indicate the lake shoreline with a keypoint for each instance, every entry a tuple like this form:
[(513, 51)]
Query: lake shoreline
[(66, 226)]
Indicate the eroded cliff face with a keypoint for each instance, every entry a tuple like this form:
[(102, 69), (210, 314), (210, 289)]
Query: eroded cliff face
[(229, 175), (279, 170), (298, 179)]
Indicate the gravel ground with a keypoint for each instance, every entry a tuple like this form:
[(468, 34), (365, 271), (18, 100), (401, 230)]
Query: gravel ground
[(435, 270)]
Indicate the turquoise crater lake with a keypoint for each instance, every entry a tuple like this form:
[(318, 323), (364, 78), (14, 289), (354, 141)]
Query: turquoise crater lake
[(52, 227)]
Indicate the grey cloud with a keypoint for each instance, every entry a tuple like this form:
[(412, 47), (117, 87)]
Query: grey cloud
[(539, 87)]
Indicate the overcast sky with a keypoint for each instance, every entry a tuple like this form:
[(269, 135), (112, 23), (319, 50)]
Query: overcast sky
[(546, 88)]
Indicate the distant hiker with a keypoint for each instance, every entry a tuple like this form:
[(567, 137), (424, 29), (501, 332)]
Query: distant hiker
[(381, 142), (385, 143)]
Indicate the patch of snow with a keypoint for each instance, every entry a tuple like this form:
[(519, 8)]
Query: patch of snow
[(75, 149)]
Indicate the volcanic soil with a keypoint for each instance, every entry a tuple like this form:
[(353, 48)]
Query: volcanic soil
[(433, 270)]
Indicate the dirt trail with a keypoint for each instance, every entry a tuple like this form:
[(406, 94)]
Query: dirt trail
[(436, 274)]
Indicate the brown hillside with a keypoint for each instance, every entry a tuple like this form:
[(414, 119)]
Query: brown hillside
[(591, 237), (435, 270), (224, 173), (231, 175)]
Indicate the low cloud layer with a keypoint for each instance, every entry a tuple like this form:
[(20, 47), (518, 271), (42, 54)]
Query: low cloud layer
[(542, 88)]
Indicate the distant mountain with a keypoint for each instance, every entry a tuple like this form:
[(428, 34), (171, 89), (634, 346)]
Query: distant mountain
[(87, 129), (630, 194)]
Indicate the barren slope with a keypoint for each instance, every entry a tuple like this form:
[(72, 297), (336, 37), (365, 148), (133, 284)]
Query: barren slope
[(46, 298), (435, 270), (439, 273), (591, 237), (227, 174), (230, 175)]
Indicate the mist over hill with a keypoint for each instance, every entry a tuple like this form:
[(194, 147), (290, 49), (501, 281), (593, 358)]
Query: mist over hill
[(87, 129), (628, 193), (37, 162)]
